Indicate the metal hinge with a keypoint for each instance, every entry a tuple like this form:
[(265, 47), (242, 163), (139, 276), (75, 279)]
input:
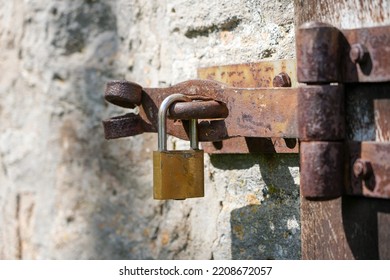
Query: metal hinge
[(261, 108), (347, 94)]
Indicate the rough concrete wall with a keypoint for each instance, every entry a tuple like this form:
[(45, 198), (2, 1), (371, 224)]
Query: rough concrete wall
[(66, 193)]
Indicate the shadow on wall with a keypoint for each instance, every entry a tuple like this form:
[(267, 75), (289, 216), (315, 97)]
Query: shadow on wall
[(90, 187), (270, 230), (366, 225)]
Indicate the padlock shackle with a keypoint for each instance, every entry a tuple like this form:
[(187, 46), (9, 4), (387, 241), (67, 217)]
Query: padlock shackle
[(194, 140), (162, 119)]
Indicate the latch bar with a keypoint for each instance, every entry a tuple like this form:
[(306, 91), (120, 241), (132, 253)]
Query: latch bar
[(253, 112), (278, 73)]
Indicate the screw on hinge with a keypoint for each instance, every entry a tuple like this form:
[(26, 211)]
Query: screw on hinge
[(281, 80), (362, 169), (358, 53)]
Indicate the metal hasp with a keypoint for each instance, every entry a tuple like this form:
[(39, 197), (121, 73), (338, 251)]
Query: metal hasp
[(263, 118), (261, 75), (346, 75)]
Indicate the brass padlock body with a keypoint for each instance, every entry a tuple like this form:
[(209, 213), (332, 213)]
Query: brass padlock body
[(178, 174)]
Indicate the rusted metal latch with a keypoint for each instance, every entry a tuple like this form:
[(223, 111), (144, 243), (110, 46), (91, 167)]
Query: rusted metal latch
[(252, 108), (263, 117)]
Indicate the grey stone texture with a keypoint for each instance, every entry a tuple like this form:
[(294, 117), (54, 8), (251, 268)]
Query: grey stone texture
[(67, 193)]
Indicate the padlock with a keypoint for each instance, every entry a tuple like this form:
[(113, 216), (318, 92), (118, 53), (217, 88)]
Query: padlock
[(177, 174)]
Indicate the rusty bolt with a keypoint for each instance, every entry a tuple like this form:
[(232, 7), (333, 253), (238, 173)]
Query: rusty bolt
[(358, 53), (281, 80), (362, 168)]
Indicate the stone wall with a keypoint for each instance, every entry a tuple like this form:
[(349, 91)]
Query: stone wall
[(66, 193)]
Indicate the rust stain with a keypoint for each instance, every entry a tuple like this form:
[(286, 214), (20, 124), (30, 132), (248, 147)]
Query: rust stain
[(251, 75), (164, 238), (321, 169)]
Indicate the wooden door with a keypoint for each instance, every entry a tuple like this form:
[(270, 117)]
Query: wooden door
[(350, 227)]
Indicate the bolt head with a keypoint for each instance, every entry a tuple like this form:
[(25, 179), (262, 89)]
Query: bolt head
[(362, 169), (358, 53), (281, 80)]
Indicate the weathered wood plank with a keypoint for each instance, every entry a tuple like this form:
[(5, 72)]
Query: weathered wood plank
[(345, 14), (322, 235), (345, 228)]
